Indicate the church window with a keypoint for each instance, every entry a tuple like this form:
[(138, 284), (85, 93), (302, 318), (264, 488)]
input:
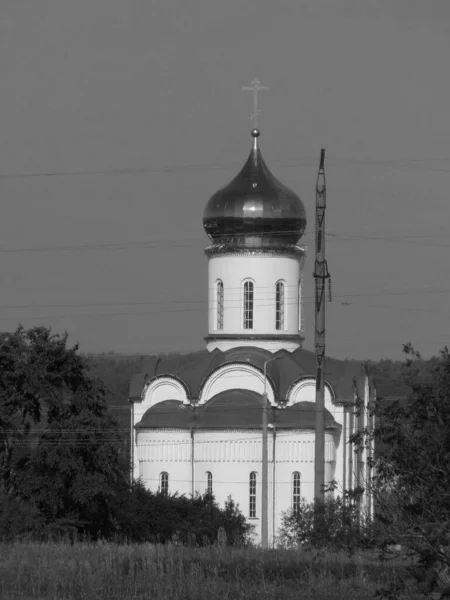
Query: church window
[(279, 305), (300, 306), (296, 491), (209, 483), (164, 483), (248, 305), (220, 305), (252, 504)]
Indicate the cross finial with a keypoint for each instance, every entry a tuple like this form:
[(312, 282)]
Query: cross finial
[(255, 88)]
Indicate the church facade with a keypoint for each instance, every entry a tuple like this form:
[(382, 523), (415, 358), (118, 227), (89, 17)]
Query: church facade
[(196, 419)]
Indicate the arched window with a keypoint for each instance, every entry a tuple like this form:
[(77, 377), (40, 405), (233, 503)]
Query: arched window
[(252, 496), (279, 305), (300, 306), (248, 305), (220, 304), (209, 483), (164, 483), (296, 491)]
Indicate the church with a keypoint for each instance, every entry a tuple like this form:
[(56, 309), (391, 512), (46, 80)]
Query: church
[(196, 419)]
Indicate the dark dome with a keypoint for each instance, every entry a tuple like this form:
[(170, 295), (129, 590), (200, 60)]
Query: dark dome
[(255, 210)]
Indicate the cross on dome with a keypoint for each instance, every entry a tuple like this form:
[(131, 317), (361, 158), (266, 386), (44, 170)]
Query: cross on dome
[(255, 88)]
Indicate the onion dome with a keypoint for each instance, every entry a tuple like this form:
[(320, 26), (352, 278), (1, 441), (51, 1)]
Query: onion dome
[(255, 210)]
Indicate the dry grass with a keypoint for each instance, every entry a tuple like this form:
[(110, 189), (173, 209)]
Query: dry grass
[(111, 571)]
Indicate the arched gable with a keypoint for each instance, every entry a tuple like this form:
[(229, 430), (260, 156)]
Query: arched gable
[(304, 390), (241, 376), (162, 388)]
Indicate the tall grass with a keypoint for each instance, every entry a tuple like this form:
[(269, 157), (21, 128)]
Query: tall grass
[(111, 571)]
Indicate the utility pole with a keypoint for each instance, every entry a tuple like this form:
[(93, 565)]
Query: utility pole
[(264, 475), (265, 464), (320, 275)]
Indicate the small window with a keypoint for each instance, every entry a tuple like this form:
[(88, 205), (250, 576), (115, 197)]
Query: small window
[(164, 483), (296, 491), (220, 305), (252, 504), (279, 305), (248, 305), (209, 483)]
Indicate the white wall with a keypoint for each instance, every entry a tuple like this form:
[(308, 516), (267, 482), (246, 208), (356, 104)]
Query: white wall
[(265, 270)]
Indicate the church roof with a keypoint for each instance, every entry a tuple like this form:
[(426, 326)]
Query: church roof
[(255, 210), (194, 368), (231, 409)]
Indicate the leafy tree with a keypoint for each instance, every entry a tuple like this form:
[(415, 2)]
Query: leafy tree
[(37, 372), (411, 484), (76, 468)]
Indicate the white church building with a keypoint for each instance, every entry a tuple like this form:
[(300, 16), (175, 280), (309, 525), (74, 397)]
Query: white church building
[(196, 421)]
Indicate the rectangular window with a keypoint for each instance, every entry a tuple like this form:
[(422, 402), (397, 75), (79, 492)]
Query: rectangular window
[(248, 305), (252, 504), (279, 306)]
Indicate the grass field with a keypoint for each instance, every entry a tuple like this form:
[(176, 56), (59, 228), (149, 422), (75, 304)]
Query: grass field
[(108, 571)]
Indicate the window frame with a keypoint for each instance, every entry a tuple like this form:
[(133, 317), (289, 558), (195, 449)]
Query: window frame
[(296, 491), (300, 304), (252, 495), (280, 306), (219, 304), (164, 483), (209, 483), (248, 312)]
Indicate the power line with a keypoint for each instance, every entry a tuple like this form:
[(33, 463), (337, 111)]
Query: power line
[(418, 165), (307, 300), (192, 242)]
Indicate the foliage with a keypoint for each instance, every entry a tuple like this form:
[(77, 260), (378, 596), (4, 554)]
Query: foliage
[(67, 471), (63, 471), (144, 516), (36, 369), (334, 523), (18, 518), (105, 571), (412, 466)]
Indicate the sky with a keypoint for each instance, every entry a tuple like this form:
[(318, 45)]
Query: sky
[(120, 119)]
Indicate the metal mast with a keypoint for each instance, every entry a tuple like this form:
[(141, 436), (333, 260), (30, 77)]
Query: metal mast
[(320, 275)]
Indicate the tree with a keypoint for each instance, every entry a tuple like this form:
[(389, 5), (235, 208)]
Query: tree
[(76, 468), (411, 484)]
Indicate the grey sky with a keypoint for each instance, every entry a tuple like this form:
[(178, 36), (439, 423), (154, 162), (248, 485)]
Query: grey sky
[(104, 85)]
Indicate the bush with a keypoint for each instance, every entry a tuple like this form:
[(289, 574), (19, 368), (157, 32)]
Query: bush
[(333, 523), (143, 516), (18, 518)]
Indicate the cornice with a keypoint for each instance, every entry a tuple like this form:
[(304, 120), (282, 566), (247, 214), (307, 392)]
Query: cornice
[(269, 337), (287, 251)]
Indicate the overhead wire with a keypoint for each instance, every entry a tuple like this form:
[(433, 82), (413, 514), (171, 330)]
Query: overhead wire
[(192, 242), (420, 165), (190, 309)]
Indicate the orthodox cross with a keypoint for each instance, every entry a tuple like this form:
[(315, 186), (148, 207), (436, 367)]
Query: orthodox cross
[(255, 88)]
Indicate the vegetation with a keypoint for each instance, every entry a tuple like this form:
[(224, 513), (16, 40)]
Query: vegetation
[(412, 468), (333, 524), (115, 572), (63, 471)]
